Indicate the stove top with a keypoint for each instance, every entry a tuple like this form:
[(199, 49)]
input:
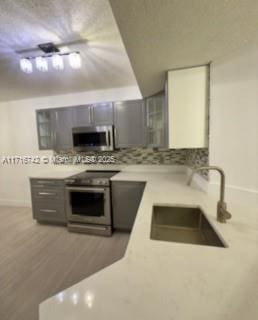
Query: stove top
[(91, 178)]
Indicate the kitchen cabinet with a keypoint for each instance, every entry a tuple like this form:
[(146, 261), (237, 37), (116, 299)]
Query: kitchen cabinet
[(93, 115), (156, 121), (48, 204), (129, 124), (126, 198), (63, 128), (45, 126), (187, 98), (82, 116), (102, 114)]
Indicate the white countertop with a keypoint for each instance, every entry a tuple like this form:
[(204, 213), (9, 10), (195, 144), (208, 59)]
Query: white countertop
[(56, 174), (167, 280)]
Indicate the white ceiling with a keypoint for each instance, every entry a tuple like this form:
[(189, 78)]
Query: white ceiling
[(26, 23), (164, 34)]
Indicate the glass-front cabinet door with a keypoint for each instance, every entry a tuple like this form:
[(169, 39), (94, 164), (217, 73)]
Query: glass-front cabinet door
[(156, 121), (45, 129)]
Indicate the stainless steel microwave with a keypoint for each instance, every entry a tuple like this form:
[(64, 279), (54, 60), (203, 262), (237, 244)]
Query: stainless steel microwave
[(98, 138)]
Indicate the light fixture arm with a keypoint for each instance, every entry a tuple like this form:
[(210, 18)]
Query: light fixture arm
[(49, 55)]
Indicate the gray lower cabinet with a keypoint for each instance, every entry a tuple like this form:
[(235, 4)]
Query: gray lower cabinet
[(48, 200), (129, 121), (126, 198), (63, 129), (102, 114)]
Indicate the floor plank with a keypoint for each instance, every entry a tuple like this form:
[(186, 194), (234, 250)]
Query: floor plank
[(37, 261)]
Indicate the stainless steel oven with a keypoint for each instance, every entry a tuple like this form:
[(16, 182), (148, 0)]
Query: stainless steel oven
[(88, 202), (88, 205), (98, 138)]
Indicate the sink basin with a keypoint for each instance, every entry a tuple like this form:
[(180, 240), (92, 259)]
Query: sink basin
[(183, 224)]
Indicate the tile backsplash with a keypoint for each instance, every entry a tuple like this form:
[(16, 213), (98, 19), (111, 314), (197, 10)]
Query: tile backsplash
[(190, 157)]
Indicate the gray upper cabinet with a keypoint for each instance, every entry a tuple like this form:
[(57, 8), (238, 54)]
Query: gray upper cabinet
[(45, 128), (82, 116), (156, 121), (63, 128), (129, 124), (103, 114), (128, 117)]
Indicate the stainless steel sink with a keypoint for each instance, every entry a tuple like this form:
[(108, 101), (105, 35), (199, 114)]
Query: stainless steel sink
[(183, 224)]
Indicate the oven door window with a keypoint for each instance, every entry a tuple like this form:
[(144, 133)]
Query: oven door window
[(87, 204), (90, 139)]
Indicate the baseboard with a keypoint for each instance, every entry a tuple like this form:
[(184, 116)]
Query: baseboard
[(15, 203)]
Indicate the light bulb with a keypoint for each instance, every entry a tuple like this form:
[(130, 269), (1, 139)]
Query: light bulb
[(41, 64), (26, 65), (75, 60), (57, 62)]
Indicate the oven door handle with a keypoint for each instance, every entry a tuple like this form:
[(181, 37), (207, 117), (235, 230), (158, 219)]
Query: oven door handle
[(94, 190)]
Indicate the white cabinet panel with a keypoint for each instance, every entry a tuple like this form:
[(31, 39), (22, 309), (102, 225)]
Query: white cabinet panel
[(188, 107)]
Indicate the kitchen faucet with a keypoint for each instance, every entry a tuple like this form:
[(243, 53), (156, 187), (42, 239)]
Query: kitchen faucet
[(222, 213)]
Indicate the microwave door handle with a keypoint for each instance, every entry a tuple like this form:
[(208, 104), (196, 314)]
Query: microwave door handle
[(108, 138)]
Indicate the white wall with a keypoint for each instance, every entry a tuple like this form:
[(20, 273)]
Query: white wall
[(18, 136), (234, 121)]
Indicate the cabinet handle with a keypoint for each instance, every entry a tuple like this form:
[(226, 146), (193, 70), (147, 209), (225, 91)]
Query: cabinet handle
[(45, 182), (46, 193), (48, 210)]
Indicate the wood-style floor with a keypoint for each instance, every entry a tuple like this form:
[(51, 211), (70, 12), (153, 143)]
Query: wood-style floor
[(37, 261)]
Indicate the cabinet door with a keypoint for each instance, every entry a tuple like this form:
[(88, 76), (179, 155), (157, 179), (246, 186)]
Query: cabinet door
[(156, 121), (188, 107), (129, 124), (103, 114), (126, 198), (82, 116), (45, 123), (49, 212), (63, 128)]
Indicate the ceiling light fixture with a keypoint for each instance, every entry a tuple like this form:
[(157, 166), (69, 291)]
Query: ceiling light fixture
[(57, 62), (50, 51), (75, 60), (26, 65)]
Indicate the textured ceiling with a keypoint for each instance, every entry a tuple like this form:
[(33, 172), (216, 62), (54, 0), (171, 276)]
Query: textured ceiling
[(26, 23), (166, 34)]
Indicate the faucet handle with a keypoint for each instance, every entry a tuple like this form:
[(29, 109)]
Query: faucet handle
[(222, 214), (228, 215)]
